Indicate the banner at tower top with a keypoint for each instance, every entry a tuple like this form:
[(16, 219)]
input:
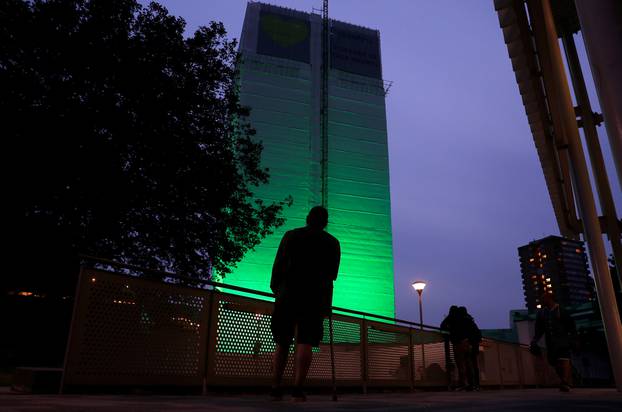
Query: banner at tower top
[(355, 50), (283, 36), (288, 35)]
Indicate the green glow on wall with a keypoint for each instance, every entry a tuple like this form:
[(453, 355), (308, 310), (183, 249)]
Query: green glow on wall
[(283, 111)]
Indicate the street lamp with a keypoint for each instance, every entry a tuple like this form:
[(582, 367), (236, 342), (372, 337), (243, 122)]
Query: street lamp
[(419, 285)]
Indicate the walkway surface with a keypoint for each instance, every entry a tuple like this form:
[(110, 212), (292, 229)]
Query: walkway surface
[(531, 400)]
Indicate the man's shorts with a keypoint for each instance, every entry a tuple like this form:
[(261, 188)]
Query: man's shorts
[(289, 321)]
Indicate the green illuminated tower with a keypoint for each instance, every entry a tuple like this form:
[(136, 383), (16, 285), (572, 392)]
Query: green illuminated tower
[(281, 81)]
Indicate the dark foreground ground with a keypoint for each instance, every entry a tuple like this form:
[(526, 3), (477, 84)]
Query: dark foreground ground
[(532, 400)]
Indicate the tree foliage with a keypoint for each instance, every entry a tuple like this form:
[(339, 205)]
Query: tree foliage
[(127, 139)]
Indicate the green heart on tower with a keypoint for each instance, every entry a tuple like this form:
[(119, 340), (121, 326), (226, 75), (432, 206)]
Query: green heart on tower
[(284, 32)]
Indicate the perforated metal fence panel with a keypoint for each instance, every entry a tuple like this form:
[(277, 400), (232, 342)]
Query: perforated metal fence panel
[(430, 358), (242, 351), (489, 363), (530, 374), (129, 331), (133, 332), (347, 347), (509, 364), (388, 355), (242, 348)]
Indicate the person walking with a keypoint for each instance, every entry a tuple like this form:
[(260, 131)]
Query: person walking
[(558, 329), (304, 269)]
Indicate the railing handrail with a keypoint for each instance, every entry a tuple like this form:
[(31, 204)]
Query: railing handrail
[(244, 290)]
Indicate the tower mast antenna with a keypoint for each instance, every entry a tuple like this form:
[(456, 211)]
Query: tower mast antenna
[(324, 100)]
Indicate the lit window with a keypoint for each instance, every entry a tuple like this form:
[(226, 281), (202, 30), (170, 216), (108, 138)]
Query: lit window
[(548, 280), (544, 256), (93, 279), (578, 250), (531, 260), (538, 306)]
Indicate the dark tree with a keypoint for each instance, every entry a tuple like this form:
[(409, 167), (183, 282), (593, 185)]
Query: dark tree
[(126, 139)]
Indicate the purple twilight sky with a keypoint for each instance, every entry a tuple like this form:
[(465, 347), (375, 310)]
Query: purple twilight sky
[(466, 185)]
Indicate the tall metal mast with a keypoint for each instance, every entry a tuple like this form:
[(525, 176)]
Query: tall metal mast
[(324, 101)]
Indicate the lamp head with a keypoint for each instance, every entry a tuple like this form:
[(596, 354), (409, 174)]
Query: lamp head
[(419, 285)]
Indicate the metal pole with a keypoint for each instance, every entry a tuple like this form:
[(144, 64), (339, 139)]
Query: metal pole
[(411, 359), (364, 348), (422, 343), (564, 120), (593, 147), (74, 316), (601, 26), (332, 356), (208, 335)]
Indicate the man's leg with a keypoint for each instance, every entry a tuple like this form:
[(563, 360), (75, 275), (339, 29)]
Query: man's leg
[(304, 355), (564, 371), (279, 361), (475, 360), (460, 354), (282, 326), (469, 368)]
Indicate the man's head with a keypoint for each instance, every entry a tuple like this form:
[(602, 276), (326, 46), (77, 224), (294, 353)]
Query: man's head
[(453, 310), (317, 217)]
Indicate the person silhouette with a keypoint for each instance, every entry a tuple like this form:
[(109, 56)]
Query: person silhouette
[(558, 329), (464, 336), (304, 269), (474, 336)]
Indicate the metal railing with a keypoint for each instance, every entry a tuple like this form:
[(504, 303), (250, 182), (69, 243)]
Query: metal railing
[(136, 331)]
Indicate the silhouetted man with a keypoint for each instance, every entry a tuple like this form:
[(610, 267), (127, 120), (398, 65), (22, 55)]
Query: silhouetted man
[(304, 269), (558, 329)]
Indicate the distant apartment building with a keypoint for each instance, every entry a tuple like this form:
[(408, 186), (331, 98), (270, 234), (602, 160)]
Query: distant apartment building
[(557, 266)]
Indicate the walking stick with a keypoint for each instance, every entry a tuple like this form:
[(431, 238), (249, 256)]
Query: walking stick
[(332, 356)]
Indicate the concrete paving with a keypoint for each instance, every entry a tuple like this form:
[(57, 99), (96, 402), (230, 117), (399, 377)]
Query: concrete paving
[(532, 400)]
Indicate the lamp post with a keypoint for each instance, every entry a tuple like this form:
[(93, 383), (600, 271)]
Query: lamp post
[(419, 285)]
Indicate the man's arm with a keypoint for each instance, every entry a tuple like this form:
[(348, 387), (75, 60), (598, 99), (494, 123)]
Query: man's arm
[(279, 266), (335, 269), (445, 325), (476, 333)]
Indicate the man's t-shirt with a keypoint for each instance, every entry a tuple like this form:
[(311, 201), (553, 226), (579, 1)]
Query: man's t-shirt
[(306, 264)]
